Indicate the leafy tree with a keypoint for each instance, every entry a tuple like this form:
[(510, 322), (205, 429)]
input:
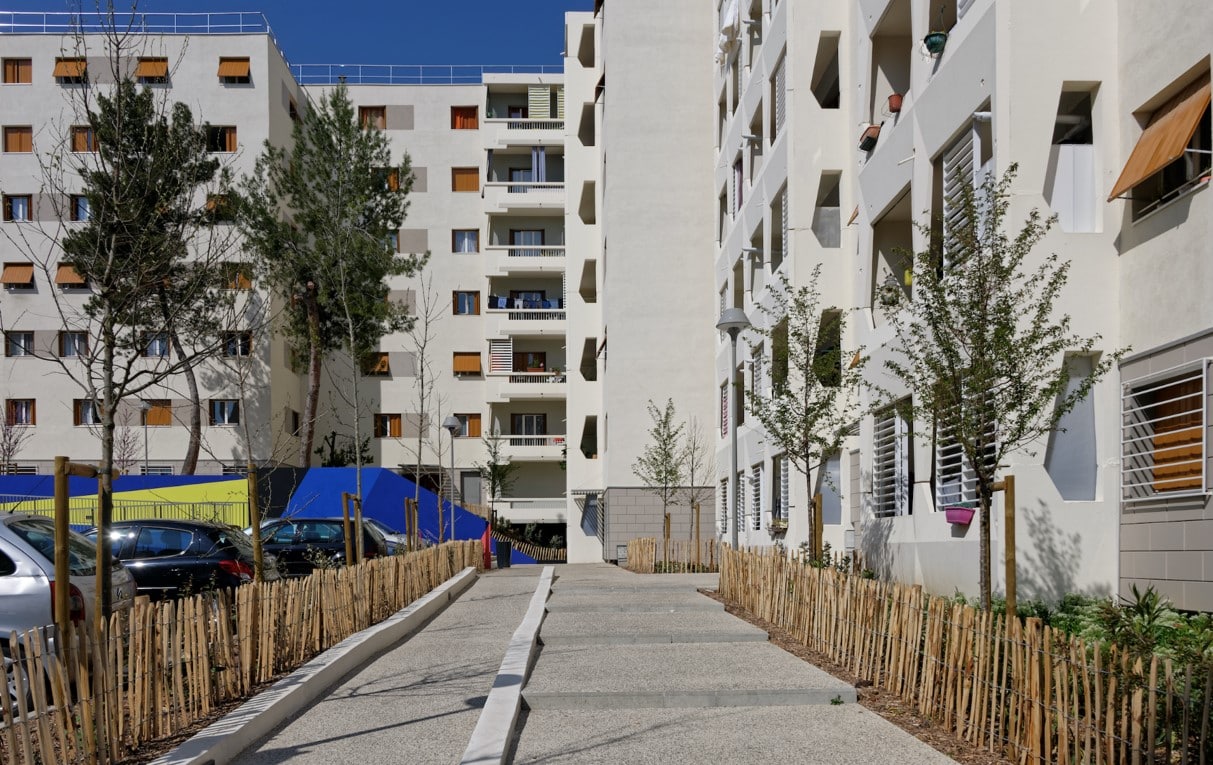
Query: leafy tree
[(661, 465), (810, 404), (982, 346)]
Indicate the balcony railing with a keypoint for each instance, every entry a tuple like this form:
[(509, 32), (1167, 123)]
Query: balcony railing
[(525, 124), (535, 440), (408, 74), (64, 23), (526, 187), (538, 314), (530, 377), (527, 251)]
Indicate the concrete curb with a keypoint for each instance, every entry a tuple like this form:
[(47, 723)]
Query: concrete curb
[(493, 730), (225, 739), (775, 697)]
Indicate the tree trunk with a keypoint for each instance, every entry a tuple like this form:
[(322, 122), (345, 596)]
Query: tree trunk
[(311, 401), (986, 499), (190, 465), (814, 542), (105, 473)]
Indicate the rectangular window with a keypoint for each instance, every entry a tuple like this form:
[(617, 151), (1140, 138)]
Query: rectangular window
[(377, 364), (466, 303), (18, 276), (18, 71), (85, 412), (79, 207), (890, 464), (18, 344), (225, 411), (17, 207), (18, 139), (73, 344), (465, 240), (466, 363), (469, 426), (955, 476), (155, 470), (234, 71), (393, 241), (389, 177), (1163, 435), (70, 70), (530, 361), (157, 412), (387, 426), (738, 187), (464, 118), (238, 344), (465, 179), (529, 424), (219, 209), (155, 345), (82, 139), (373, 117), (756, 497), (221, 139), (152, 71), (21, 411), (780, 488), (237, 276), (531, 241)]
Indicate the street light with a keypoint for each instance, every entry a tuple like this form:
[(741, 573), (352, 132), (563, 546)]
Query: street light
[(733, 321), (146, 406), (452, 424)]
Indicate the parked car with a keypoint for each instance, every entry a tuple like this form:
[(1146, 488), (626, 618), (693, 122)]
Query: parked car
[(27, 580), (169, 558), (395, 540), (301, 544)]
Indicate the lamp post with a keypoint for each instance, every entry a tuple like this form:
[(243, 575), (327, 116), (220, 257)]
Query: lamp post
[(146, 406), (452, 424), (733, 321)]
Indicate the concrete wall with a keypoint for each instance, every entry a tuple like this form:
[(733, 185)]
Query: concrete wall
[(634, 513)]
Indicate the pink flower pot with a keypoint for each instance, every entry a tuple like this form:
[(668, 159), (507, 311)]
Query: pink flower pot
[(961, 515)]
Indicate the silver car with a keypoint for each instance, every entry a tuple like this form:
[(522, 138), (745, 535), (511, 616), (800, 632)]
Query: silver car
[(27, 570)]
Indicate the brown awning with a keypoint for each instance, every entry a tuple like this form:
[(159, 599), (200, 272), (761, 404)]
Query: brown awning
[(70, 67), (1165, 138), (467, 363), (17, 273), (152, 68), (67, 276), (233, 67)]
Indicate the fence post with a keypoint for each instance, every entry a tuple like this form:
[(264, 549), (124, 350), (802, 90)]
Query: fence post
[(817, 527), (254, 512), (62, 569), (698, 554), (345, 525)]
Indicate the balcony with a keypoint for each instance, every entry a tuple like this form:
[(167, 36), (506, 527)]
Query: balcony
[(524, 259), (547, 448), (524, 322), (521, 131), (520, 196), (503, 387)]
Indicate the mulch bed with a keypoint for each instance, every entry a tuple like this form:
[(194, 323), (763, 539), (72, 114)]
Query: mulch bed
[(888, 705)]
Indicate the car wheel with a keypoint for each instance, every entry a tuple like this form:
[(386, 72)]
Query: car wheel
[(13, 669)]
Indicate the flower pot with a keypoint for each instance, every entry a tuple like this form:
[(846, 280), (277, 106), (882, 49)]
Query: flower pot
[(867, 141), (959, 514), (935, 42), (895, 103)]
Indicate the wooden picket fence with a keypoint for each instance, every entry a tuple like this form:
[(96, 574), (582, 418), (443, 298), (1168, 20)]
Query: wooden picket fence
[(150, 673), (1014, 687), (669, 556)]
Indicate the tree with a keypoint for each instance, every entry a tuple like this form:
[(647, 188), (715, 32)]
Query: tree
[(810, 403), (421, 334), (12, 442), (497, 472), (661, 465), (982, 348), (319, 219), (699, 463)]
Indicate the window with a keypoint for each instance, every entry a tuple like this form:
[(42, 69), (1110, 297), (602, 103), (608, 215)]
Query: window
[(891, 455), (780, 488), (466, 363), (18, 71), (779, 101), (377, 364), (464, 118), (17, 207), (67, 277), (85, 412), (234, 470), (530, 361), (157, 412), (73, 344), (83, 139), (219, 208), (387, 426), (469, 426), (389, 177), (234, 71), (392, 242), (238, 344), (225, 411), (531, 239), (18, 344), (21, 411), (237, 276), (955, 477), (155, 470), (1173, 153), (966, 165), (373, 117), (738, 187), (221, 138), (70, 71), (79, 208), (529, 424), (756, 497), (466, 303), (465, 179), (155, 345), (1163, 435), (465, 240), (17, 276), (18, 139), (151, 71)]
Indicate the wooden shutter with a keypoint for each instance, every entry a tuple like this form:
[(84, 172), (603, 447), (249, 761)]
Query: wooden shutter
[(17, 274), (151, 69), (229, 138), (1178, 436), (465, 179), (66, 275), (466, 363), (473, 426), (159, 413), (464, 118), (70, 68), (82, 139), (18, 71), (19, 139), (1166, 137), (234, 68)]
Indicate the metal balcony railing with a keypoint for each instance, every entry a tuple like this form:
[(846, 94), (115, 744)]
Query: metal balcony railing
[(527, 251), (535, 440), (530, 377), (410, 74), (525, 124), (526, 187)]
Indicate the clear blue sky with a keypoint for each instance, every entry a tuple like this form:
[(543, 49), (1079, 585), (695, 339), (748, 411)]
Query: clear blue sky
[(387, 31)]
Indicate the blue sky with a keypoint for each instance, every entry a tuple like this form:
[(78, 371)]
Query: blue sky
[(389, 31)]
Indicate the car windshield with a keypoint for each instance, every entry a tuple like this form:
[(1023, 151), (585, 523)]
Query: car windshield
[(39, 533)]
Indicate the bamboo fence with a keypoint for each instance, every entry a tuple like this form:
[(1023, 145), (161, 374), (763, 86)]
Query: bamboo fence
[(152, 672), (1015, 687), (669, 556)]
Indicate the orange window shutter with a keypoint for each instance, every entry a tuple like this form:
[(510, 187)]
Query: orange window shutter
[(12, 69), (1178, 437), (17, 273), (72, 68), (473, 426), (229, 139), (465, 179), (394, 426), (393, 179), (1166, 137), (160, 413), (66, 275), (467, 363), (234, 68)]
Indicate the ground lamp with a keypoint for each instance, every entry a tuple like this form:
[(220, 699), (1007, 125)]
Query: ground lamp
[(733, 321), (452, 424)]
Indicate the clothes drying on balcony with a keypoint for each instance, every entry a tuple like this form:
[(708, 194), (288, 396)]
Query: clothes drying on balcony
[(509, 303)]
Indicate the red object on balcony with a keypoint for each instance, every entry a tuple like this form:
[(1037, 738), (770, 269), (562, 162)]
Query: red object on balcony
[(959, 514), (867, 141), (894, 103)]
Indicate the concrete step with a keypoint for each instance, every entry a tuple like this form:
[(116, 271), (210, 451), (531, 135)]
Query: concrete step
[(631, 627)]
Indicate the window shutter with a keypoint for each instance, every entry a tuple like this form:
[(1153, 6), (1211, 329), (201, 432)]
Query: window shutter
[(467, 363), (465, 179), (739, 499), (501, 355), (473, 426), (724, 410), (955, 478), (560, 102), (539, 102), (890, 469), (1163, 435), (785, 495), (756, 496), (779, 85), (722, 496), (957, 174)]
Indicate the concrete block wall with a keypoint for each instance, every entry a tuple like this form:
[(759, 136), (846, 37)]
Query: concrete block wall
[(635, 512)]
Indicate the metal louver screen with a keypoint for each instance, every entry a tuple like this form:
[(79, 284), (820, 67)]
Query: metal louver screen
[(955, 478), (756, 497), (779, 85), (501, 355), (889, 474), (1163, 436), (957, 174)]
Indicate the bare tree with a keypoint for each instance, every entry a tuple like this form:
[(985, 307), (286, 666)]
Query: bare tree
[(699, 467), (12, 440), (429, 312)]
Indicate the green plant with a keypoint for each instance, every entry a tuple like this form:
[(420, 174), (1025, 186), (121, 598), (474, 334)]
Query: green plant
[(836, 701)]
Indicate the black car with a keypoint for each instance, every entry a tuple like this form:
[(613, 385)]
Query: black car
[(301, 544), (169, 558)]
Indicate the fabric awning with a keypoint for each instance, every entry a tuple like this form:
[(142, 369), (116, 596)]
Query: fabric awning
[(17, 273), (1165, 138), (467, 363), (67, 276), (152, 68), (233, 67), (70, 67)]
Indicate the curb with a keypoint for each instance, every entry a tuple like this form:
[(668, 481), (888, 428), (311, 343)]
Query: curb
[(491, 738), (228, 737)]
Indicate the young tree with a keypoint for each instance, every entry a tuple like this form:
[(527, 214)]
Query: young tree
[(421, 334), (497, 472), (982, 347), (661, 465), (12, 442), (318, 217), (810, 404), (699, 461)]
